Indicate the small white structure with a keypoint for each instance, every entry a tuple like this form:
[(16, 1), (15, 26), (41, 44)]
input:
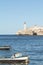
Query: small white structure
[(25, 26), (18, 55)]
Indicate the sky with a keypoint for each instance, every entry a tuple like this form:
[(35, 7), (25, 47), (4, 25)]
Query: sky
[(13, 14)]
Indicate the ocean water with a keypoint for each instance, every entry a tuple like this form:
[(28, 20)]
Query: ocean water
[(27, 45)]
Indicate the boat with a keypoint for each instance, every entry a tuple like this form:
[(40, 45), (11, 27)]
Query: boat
[(17, 58), (4, 47)]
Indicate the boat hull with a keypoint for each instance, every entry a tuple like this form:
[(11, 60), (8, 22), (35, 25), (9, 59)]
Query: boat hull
[(15, 60), (5, 48), (12, 61)]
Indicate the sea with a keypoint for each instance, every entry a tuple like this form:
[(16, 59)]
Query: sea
[(32, 46)]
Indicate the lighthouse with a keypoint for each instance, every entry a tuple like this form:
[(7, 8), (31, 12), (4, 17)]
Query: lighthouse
[(25, 26)]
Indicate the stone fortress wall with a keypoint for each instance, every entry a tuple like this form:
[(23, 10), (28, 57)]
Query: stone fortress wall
[(35, 30)]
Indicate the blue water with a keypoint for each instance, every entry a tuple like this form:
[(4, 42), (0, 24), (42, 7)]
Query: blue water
[(27, 45)]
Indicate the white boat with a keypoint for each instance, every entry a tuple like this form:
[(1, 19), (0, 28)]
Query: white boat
[(17, 58)]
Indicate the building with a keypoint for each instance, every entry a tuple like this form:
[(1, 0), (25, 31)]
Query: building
[(35, 30)]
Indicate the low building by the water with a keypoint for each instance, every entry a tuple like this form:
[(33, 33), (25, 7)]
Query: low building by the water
[(35, 30)]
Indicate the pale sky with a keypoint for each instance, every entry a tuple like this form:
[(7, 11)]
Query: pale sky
[(13, 13)]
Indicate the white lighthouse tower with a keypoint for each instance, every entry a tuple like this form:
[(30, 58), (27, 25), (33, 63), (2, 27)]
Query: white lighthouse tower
[(25, 26)]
